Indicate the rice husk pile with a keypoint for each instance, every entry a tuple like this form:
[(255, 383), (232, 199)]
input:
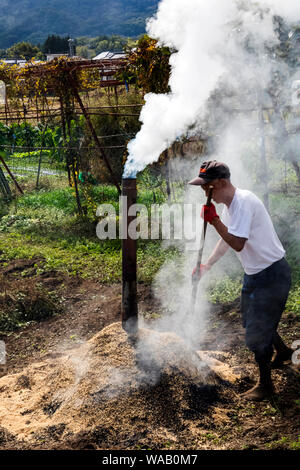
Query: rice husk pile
[(111, 387)]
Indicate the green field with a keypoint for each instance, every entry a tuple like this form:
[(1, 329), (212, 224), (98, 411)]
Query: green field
[(44, 224)]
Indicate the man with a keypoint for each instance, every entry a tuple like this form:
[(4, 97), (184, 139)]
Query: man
[(247, 228)]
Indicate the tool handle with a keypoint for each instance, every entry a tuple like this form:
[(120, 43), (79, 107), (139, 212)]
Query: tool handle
[(209, 197), (199, 259), (196, 281), (208, 202)]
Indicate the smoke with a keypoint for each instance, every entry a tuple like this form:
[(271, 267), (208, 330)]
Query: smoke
[(194, 75), (156, 354), (80, 359), (289, 9), (223, 62), (214, 42)]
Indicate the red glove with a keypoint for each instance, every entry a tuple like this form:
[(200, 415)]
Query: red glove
[(209, 213), (198, 273)]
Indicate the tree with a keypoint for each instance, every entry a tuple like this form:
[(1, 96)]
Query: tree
[(56, 45), (23, 50), (83, 51), (148, 66)]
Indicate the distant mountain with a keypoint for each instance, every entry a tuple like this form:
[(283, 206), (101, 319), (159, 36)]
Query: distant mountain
[(34, 20)]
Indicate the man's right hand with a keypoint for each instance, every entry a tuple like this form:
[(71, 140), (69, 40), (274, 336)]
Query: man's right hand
[(209, 213), (198, 273)]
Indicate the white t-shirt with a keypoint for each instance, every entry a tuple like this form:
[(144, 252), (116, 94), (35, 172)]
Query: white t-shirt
[(248, 218)]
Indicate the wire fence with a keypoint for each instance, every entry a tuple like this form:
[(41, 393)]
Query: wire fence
[(26, 161), (30, 166), (23, 164)]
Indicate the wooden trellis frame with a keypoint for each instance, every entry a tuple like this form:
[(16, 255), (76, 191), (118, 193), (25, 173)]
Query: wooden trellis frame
[(62, 78)]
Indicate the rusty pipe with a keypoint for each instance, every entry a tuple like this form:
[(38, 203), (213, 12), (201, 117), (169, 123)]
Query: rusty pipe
[(129, 260)]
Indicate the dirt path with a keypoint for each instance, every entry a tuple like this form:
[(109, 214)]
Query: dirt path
[(88, 306), (218, 420)]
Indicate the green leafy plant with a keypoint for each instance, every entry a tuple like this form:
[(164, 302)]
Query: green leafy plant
[(225, 290)]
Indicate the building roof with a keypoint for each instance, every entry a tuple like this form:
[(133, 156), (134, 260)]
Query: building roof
[(14, 61), (20, 62), (53, 56), (110, 55)]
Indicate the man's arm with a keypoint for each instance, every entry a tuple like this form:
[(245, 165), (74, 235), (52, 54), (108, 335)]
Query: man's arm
[(210, 215), (219, 251), (237, 243), (227, 240)]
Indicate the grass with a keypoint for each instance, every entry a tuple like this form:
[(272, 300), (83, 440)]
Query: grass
[(293, 302), (43, 224), (61, 199), (227, 290), (284, 443), (83, 257), (23, 164)]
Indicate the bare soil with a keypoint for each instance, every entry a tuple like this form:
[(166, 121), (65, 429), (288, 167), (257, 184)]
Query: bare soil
[(77, 381)]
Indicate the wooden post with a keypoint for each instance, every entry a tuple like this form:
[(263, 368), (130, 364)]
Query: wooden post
[(285, 136), (11, 175), (40, 159), (4, 186), (89, 122), (264, 166), (63, 126), (129, 262), (6, 106)]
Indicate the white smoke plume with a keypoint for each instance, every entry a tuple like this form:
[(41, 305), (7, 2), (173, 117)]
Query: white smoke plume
[(219, 73), (208, 38)]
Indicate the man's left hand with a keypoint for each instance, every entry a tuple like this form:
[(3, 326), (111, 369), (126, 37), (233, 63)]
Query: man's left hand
[(209, 213)]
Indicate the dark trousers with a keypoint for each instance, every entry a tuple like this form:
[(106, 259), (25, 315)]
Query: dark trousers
[(264, 296)]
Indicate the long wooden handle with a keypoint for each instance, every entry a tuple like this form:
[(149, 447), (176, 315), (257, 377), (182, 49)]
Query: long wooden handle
[(196, 281), (208, 202)]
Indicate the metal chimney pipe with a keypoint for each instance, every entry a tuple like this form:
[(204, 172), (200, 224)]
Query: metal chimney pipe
[(129, 264)]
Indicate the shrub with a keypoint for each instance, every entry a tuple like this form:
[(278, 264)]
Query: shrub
[(20, 305)]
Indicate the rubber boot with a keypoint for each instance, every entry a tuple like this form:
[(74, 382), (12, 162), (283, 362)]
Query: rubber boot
[(264, 387), (283, 352)]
